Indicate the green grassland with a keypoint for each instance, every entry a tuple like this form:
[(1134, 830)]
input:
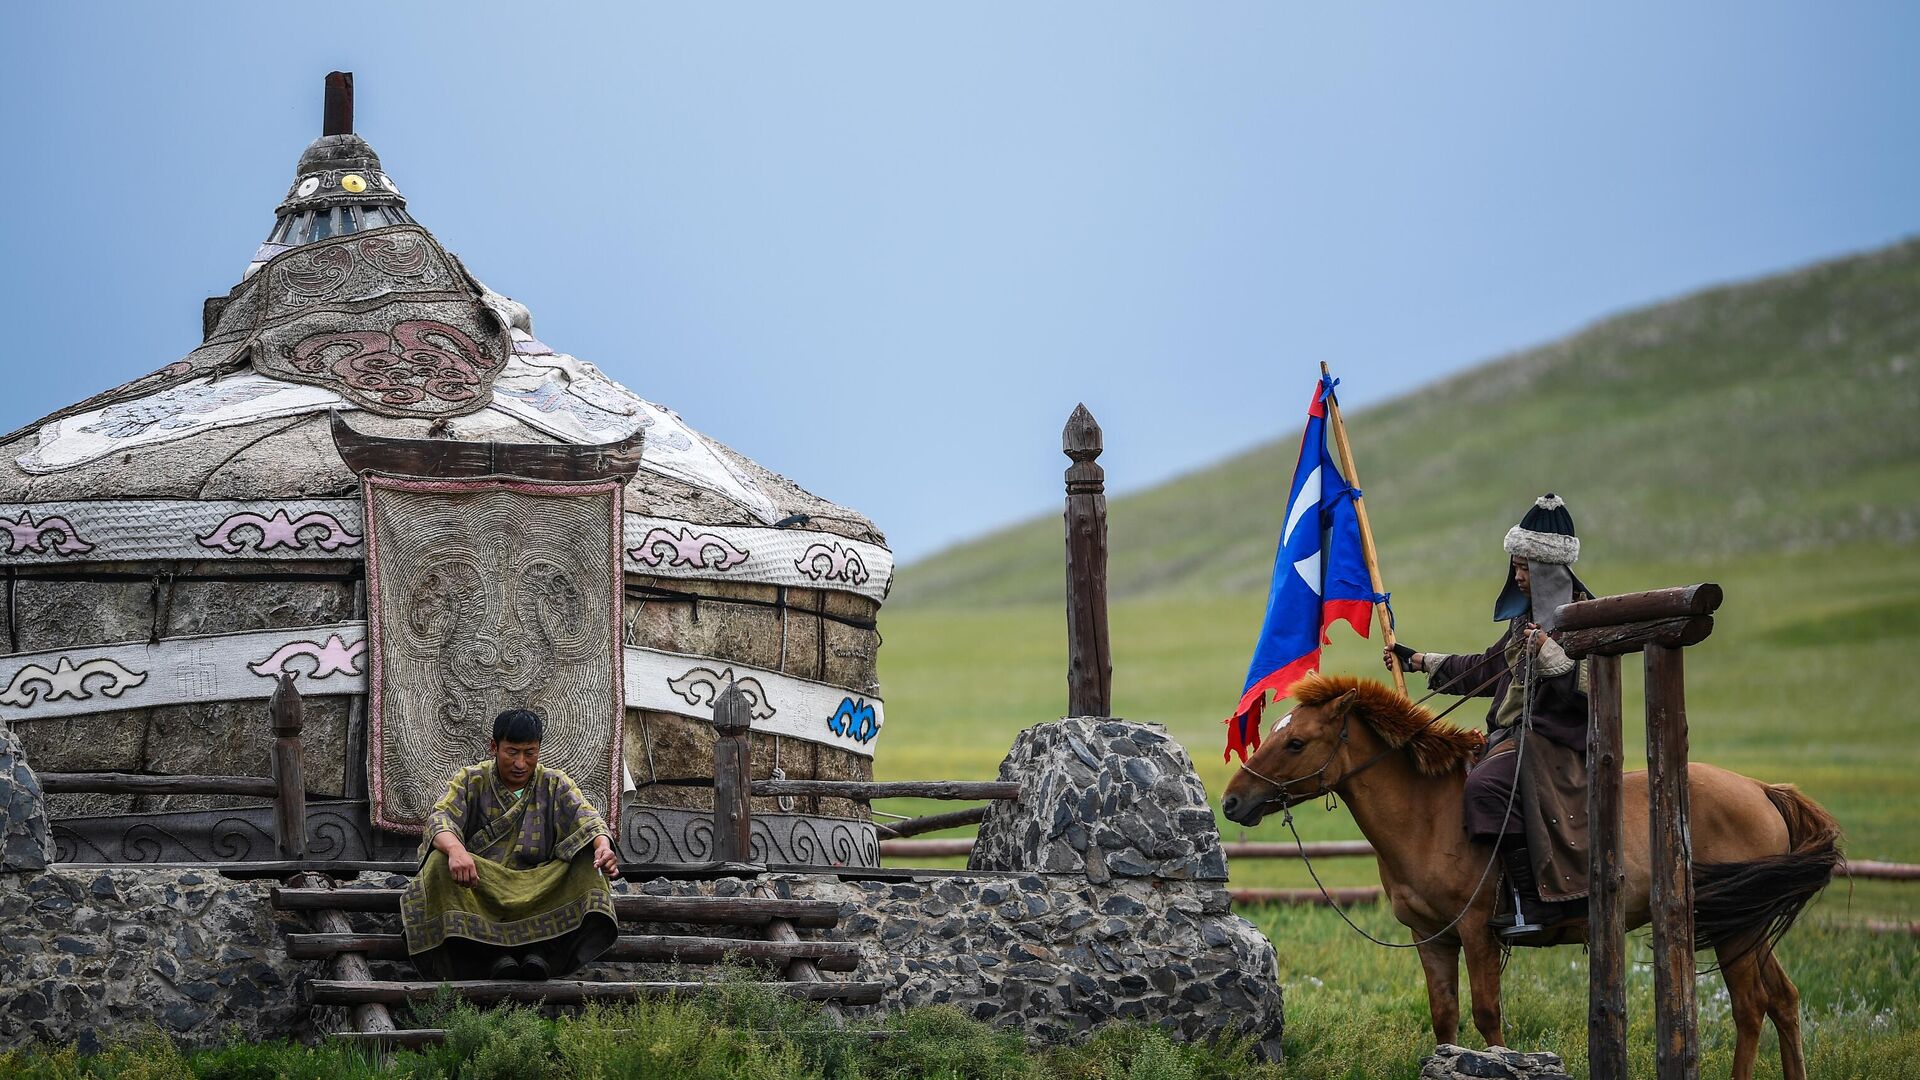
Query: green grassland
[(1765, 436), (1803, 681)]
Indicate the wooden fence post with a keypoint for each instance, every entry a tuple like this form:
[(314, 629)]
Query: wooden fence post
[(290, 785), (1606, 921), (1676, 1022), (732, 777), (1089, 659)]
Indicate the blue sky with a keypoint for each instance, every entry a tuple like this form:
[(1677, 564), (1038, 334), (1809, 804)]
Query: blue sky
[(884, 248)]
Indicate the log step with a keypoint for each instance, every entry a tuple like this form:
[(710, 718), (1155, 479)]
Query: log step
[(567, 991), (716, 910), (636, 948)]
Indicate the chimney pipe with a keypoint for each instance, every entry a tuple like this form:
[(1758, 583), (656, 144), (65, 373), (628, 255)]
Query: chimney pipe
[(339, 112)]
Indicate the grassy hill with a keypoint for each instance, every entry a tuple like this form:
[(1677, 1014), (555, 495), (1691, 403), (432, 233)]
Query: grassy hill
[(1763, 435), (1779, 415)]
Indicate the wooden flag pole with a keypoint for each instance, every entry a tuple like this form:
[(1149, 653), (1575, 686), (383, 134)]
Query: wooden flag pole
[(1366, 531)]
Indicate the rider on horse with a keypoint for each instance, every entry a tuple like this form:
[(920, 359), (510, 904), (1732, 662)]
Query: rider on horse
[(1529, 803)]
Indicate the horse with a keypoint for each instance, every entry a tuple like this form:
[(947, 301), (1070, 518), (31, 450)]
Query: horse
[(1761, 852)]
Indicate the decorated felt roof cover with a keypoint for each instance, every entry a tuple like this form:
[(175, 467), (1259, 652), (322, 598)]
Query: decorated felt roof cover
[(351, 306)]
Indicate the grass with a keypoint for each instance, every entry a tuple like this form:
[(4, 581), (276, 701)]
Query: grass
[(1770, 694), (1358, 1012), (1803, 681), (737, 1031)]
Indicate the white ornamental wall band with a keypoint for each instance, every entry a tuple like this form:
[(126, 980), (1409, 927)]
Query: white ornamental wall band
[(136, 530), (792, 557), (486, 594), (330, 660), (686, 685)]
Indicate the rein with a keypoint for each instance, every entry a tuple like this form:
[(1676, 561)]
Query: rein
[(1287, 803), (1327, 789)]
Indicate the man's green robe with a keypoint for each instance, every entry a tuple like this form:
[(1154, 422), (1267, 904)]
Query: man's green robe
[(538, 890)]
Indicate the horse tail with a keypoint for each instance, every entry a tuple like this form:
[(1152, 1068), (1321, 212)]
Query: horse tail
[(1740, 906)]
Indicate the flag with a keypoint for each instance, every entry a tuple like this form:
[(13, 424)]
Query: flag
[(1319, 578)]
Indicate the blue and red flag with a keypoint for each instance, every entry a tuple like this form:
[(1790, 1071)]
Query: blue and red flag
[(1319, 577)]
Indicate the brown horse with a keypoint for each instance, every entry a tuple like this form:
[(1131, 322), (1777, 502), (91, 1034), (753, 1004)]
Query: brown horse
[(1761, 851)]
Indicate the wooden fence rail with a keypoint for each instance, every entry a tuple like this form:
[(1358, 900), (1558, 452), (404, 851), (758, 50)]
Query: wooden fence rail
[(734, 788), (286, 786), (1858, 869)]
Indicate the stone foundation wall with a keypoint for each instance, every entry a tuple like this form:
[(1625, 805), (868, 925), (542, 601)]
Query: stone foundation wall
[(91, 955), (88, 956)]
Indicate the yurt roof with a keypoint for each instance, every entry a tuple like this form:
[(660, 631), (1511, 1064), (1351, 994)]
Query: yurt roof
[(227, 422)]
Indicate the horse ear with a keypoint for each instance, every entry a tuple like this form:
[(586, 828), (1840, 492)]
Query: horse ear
[(1344, 703)]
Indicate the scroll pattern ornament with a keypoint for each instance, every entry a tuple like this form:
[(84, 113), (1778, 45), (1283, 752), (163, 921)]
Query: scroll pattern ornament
[(855, 719), (650, 834), (279, 531), (686, 548), (384, 320), (33, 683), (701, 687), (49, 536), (334, 831), (333, 657), (403, 367), (832, 562), (359, 266)]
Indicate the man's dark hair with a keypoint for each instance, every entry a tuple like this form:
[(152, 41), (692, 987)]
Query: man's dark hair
[(518, 725)]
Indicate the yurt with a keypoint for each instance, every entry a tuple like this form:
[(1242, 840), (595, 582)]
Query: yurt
[(373, 474)]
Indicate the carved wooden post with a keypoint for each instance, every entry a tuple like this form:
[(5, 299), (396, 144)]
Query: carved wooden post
[(1670, 858), (1606, 921), (732, 777), (1089, 659), (290, 799)]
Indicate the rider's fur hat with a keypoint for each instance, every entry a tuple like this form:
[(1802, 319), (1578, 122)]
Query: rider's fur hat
[(1544, 538), (1545, 534)]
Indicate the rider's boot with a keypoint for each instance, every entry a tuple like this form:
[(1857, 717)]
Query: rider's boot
[(1532, 918)]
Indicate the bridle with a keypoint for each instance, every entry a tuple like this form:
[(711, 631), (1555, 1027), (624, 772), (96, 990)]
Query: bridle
[(1287, 801), (1287, 804)]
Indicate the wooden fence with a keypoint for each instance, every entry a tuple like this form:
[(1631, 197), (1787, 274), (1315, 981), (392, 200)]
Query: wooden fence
[(286, 786)]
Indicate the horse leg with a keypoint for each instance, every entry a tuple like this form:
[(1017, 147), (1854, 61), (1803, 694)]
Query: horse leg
[(1783, 1006), (1441, 961), (1483, 976), (1747, 990)]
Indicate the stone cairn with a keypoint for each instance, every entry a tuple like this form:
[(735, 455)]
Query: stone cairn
[(1103, 797), (1147, 933), (1450, 1062)]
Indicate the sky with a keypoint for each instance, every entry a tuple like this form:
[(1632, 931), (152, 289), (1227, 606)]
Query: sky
[(885, 248)]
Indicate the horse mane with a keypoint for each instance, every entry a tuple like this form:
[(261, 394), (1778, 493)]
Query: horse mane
[(1436, 749)]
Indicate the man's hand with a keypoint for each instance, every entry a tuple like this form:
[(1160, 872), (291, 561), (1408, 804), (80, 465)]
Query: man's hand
[(604, 859), (1534, 638), (460, 865), (1409, 660)]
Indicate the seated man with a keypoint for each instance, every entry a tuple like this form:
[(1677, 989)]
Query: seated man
[(510, 884)]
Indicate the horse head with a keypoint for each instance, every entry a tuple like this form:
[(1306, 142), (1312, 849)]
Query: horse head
[(1303, 757), (1311, 751)]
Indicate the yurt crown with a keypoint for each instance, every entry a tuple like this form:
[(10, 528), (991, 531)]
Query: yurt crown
[(339, 186)]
